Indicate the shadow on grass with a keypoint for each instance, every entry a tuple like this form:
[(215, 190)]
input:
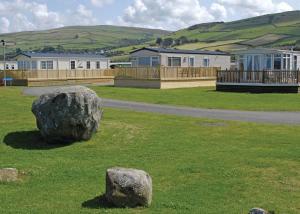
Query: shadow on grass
[(98, 203), (29, 140)]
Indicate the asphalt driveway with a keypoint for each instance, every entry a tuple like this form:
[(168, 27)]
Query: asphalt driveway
[(249, 116)]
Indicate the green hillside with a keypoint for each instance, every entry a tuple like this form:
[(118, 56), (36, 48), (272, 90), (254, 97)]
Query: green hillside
[(273, 30), (83, 37), (282, 29)]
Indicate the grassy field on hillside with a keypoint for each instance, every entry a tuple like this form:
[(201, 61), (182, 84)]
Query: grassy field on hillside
[(197, 165), (83, 37), (268, 31), (205, 98)]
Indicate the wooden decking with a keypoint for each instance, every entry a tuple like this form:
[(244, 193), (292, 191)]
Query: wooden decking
[(259, 81), (165, 77), (59, 77), (166, 73)]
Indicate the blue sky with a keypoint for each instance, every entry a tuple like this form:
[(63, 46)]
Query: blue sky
[(23, 15)]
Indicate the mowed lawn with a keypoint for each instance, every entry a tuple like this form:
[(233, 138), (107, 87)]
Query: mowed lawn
[(205, 98), (197, 165)]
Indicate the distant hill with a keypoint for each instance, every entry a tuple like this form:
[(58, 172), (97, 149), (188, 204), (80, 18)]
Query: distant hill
[(83, 37), (274, 30)]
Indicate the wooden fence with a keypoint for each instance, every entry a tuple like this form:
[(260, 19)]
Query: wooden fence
[(262, 77), (166, 73), (147, 73), (58, 74)]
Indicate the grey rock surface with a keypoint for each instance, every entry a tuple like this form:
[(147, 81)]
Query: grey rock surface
[(8, 175), (128, 187), (68, 114), (257, 211)]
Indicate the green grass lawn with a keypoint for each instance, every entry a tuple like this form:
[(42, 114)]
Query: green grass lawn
[(205, 98), (197, 165)]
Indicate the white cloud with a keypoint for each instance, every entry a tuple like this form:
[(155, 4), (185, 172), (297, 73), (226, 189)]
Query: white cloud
[(219, 11), (165, 14), (24, 15), (178, 14), (4, 24), (82, 16), (101, 3), (248, 8)]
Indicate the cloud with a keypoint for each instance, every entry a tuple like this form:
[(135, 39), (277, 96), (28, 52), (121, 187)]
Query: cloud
[(24, 15), (82, 16), (178, 14), (219, 11), (255, 7), (165, 14), (101, 3), (4, 23)]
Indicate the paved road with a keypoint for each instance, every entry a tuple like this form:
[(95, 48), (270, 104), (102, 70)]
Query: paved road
[(250, 116)]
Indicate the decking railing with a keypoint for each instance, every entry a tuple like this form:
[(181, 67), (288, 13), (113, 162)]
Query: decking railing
[(166, 73), (145, 73), (58, 74), (258, 77)]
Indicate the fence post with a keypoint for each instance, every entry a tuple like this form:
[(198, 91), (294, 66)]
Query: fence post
[(263, 76)]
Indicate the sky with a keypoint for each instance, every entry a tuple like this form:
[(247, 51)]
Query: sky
[(25, 15)]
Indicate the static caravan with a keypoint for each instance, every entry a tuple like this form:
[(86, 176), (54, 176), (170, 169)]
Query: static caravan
[(61, 61), (262, 71), (153, 57), (268, 59)]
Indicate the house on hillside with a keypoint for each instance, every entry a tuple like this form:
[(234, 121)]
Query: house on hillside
[(153, 57), (61, 61), (263, 70)]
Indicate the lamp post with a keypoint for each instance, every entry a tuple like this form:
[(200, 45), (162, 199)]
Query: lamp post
[(4, 63), (5, 44)]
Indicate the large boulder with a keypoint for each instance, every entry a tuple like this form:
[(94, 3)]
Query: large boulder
[(8, 175), (258, 211), (67, 115), (128, 187)]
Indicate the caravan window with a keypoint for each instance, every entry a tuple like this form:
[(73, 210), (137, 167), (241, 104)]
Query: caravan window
[(277, 61), (97, 65), (73, 65), (191, 61), (144, 61), (155, 61), (295, 63), (268, 60), (206, 62), (34, 65), (256, 63), (249, 63), (286, 62), (50, 65), (174, 61)]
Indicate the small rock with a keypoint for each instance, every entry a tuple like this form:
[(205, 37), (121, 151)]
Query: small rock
[(257, 211), (128, 187), (8, 175), (70, 114)]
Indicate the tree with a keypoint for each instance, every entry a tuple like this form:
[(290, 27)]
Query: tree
[(168, 42), (48, 49), (60, 49), (18, 50), (159, 41), (183, 40)]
